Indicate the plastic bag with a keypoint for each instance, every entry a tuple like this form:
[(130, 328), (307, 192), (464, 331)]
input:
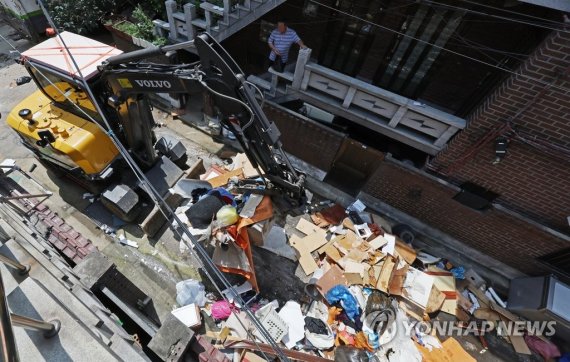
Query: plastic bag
[(190, 291), (227, 216), (347, 301)]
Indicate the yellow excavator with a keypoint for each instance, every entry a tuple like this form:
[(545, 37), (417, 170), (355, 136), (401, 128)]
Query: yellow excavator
[(62, 124)]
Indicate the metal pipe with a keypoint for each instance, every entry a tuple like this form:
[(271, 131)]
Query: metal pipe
[(20, 197), (50, 329), (24, 269), (8, 349)]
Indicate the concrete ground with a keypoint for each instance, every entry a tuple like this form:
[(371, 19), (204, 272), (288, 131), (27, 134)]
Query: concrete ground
[(158, 264)]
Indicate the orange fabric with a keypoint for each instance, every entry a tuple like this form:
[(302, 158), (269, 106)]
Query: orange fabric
[(361, 341), (242, 240), (333, 313), (238, 231)]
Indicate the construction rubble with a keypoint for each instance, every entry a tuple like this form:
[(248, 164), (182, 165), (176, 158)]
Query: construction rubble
[(370, 295)]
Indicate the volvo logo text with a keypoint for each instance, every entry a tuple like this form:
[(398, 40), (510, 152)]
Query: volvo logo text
[(154, 83)]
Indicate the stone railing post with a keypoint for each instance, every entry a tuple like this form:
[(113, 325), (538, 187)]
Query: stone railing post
[(208, 20), (189, 15), (227, 12), (170, 10), (302, 60)]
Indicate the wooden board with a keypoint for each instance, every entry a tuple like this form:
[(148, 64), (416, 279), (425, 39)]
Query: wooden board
[(397, 282), (487, 314), (386, 274), (518, 342), (225, 178), (406, 252), (451, 351)]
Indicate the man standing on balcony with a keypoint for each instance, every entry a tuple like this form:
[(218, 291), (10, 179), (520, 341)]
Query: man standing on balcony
[(280, 42)]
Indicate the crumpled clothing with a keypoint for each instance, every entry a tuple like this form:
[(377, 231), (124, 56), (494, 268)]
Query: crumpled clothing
[(315, 325), (224, 195), (344, 338)]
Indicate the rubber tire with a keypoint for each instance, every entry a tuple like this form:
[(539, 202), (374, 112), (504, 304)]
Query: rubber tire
[(404, 232)]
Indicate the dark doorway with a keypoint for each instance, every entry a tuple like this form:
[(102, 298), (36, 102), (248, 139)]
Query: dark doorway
[(354, 164)]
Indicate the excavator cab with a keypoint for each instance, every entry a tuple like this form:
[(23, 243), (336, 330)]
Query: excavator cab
[(54, 121)]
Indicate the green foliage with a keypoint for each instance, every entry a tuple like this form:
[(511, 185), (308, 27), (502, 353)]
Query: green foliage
[(142, 27), (79, 16)]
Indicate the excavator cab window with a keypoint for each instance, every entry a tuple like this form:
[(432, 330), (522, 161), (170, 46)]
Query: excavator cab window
[(65, 92)]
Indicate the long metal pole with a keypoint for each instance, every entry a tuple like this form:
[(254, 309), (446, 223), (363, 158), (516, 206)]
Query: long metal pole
[(24, 269), (7, 341), (50, 329)]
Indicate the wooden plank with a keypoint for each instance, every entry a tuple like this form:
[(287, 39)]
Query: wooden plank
[(487, 314), (386, 274), (406, 252), (397, 282), (225, 178), (520, 345)]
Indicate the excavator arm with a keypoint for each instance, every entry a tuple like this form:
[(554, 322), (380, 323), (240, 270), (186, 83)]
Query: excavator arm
[(129, 77)]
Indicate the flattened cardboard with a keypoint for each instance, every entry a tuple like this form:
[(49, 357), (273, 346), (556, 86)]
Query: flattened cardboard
[(435, 301), (308, 228), (378, 242), (354, 279), (445, 282), (333, 253), (418, 287), (334, 276), (308, 263)]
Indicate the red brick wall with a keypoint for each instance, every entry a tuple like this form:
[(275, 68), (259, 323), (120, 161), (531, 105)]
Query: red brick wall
[(493, 232), (528, 180)]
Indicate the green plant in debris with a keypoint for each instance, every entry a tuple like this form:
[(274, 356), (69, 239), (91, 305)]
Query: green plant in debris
[(79, 16), (142, 27)]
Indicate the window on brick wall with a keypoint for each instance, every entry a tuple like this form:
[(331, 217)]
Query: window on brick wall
[(475, 196), (558, 261)]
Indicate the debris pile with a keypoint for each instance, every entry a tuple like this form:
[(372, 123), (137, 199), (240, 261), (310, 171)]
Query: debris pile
[(370, 293)]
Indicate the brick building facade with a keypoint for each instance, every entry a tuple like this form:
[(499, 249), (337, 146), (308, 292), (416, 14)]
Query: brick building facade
[(528, 218), (534, 177)]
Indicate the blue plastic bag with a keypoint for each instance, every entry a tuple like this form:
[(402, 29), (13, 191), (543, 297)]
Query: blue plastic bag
[(347, 301)]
